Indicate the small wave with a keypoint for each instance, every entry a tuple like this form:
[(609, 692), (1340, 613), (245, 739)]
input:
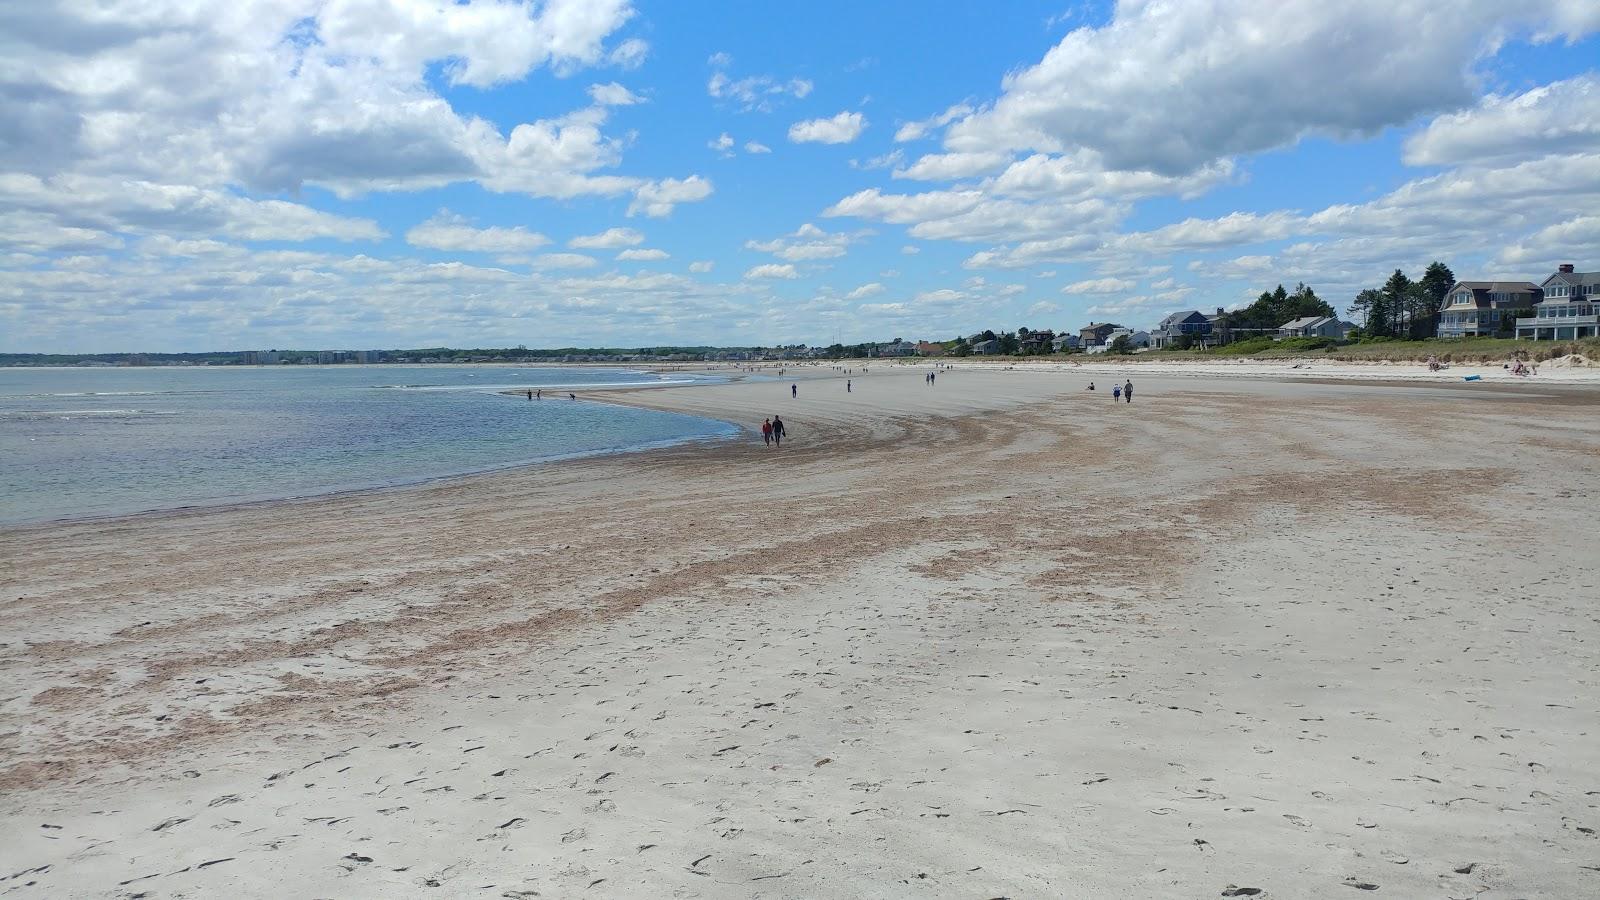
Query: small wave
[(26, 414)]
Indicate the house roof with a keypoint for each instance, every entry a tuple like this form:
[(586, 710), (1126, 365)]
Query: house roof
[(1179, 318), (1573, 278), (1308, 322)]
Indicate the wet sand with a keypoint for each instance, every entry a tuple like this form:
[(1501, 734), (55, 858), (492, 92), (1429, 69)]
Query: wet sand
[(994, 637)]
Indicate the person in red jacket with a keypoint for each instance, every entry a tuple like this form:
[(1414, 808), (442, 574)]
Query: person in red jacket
[(766, 432)]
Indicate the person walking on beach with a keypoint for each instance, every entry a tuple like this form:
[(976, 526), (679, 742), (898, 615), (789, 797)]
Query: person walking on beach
[(777, 431), (1127, 391), (1116, 392), (847, 388), (766, 432), (794, 390)]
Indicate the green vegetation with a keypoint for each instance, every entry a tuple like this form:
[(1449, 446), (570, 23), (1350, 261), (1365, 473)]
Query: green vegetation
[(1385, 349)]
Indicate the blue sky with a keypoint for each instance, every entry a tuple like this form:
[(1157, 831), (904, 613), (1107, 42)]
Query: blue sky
[(380, 173)]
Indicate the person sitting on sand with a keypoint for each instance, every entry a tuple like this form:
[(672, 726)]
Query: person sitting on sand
[(766, 432), (1091, 385), (777, 431)]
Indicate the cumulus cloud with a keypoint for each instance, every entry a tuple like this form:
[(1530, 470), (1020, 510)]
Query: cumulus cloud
[(1100, 286), (807, 242), (563, 261), (701, 266), (913, 131), (1170, 87), (870, 289), (448, 231), (756, 147), (613, 94), (610, 239), (723, 144), (759, 93), (658, 199), (1563, 117), (643, 255), (950, 166), (772, 270), (840, 129)]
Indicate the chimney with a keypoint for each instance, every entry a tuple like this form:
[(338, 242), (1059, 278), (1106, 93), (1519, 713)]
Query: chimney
[(1565, 267)]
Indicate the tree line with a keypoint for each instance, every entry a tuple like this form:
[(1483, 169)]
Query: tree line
[(1403, 308)]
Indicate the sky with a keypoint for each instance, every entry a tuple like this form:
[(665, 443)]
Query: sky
[(254, 174)]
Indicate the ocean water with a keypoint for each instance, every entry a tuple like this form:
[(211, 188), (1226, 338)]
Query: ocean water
[(94, 442)]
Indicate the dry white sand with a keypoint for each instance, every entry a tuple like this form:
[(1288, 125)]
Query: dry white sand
[(994, 637)]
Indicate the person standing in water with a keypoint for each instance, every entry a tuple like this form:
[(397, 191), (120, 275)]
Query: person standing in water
[(777, 431), (1127, 390), (766, 432)]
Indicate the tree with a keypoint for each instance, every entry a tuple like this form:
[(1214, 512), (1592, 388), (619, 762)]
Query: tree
[(1122, 344), (1399, 298), (1432, 288), (961, 348), (1008, 342), (1374, 318)]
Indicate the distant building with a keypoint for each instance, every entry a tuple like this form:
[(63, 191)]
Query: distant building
[(1570, 308), (1135, 338), (1314, 326), (1065, 343), (929, 348), (1094, 334), (1485, 308), (1193, 324), (896, 348), (986, 348)]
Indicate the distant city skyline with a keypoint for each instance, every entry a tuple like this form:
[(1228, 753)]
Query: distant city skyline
[(182, 177)]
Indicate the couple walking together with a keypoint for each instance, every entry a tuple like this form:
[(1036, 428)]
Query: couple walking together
[(772, 431)]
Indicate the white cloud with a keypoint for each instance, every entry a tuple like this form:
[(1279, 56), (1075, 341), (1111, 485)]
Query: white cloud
[(756, 147), (447, 231), (657, 199), (643, 255), (841, 129), (613, 94), (563, 261), (1100, 286), (806, 243), (1563, 117), (610, 239), (1043, 308), (753, 93), (1171, 87), (950, 166), (942, 296), (630, 54), (772, 270), (702, 265), (910, 250), (912, 131), (870, 289), (723, 144)]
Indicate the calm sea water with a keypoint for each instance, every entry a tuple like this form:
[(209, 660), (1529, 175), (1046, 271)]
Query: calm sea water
[(95, 442)]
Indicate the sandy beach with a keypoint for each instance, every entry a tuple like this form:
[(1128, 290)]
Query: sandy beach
[(994, 637)]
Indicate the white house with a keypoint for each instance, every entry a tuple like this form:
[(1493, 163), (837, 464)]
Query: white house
[(1570, 308), (1314, 326)]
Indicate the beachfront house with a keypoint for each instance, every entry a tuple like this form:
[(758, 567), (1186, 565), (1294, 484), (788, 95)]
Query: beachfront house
[(896, 347), (1570, 308), (1486, 308), (929, 348), (1170, 333), (1066, 343), (985, 348), (1095, 333), (1314, 326)]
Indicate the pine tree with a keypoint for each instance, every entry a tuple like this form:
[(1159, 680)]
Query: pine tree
[(1399, 301)]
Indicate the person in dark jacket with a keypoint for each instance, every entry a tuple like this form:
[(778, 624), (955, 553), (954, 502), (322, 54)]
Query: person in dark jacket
[(778, 431)]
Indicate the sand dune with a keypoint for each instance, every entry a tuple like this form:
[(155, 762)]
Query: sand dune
[(997, 636)]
